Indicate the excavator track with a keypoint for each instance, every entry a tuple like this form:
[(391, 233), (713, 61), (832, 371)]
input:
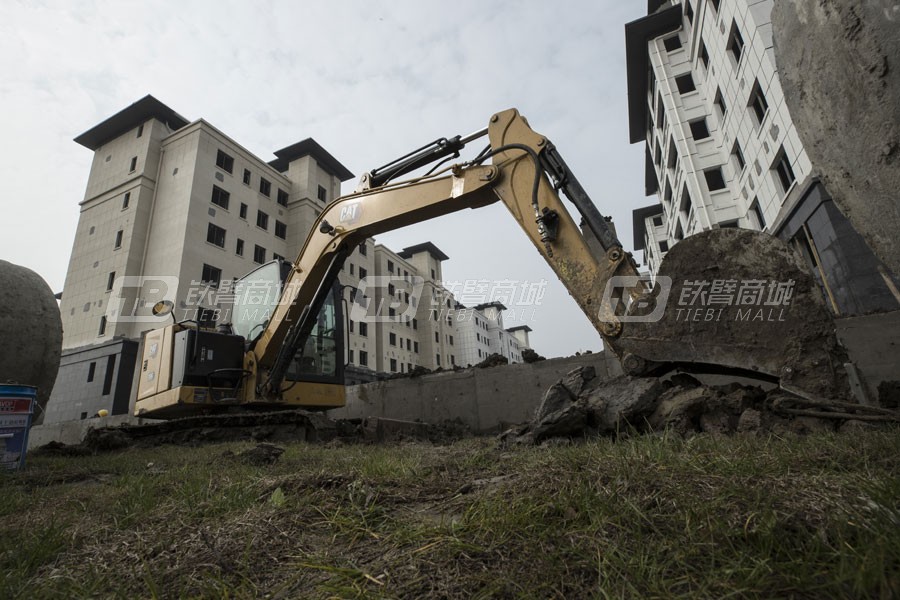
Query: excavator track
[(279, 425)]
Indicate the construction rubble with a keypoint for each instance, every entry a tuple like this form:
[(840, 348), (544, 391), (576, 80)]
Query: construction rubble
[(583, 405)]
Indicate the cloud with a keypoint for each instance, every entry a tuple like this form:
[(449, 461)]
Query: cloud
[(370, 81)]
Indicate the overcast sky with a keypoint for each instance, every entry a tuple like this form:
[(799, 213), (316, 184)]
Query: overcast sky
[(370, 81)]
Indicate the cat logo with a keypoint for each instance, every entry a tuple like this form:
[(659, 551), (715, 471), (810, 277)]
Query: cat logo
[(350, 213)]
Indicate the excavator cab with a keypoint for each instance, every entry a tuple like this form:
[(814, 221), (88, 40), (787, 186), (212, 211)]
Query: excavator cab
[(203, 371)]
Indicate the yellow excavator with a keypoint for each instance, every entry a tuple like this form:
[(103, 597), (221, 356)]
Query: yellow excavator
[(726, 300)]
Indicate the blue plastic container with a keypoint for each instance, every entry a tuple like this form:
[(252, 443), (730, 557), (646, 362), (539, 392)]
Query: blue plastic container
[(16, 410)]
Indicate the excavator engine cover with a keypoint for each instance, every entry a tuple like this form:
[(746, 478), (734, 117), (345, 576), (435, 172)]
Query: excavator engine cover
[(739, 299)]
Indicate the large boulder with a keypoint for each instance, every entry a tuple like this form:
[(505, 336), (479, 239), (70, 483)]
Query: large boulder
[(30, 331)]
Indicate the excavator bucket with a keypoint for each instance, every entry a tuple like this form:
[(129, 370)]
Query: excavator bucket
[(739, 300)]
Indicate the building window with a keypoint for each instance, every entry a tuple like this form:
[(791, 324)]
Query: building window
[(415, 323), (265, 187), (351, 268), (243, 211), (657, 221), (140, 130), (239, 247), (102, 330), (416, 347), (350, 356), (672, 43), (685, 83), (738, 156), (364, 329), (215, 235), (719, 103), (735, 43), (133, 165), (351, 325), (362, 249), (393, 365), (432, 274), (714, 179), (757, 213), (699, 130), (92, 368), (390, 267), (783, 170), (125, 200), (109, 280), (685, 204), (391, 289), (408, 344), (280, 230), (282, 197), (246, 176), (437, 359), (392, 339), (262, 220), (689, 11), (322, 194), (211, 275), (259, 254), (437, 337), (392, 312), (704, 55), (758, 103), (224, 162), (118, 243), (663, 246), (220, 197), (363, 358), (451, 340), (672, 163), (658, 154), (362, 273)]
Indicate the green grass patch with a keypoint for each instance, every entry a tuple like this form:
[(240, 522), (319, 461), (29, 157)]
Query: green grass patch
[(656, 516)]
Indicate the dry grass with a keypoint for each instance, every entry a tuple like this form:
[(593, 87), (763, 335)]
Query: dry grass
[(812, 516)]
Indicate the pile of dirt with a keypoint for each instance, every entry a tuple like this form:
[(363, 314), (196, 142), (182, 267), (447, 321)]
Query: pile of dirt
[(494, 360), (582, 405), (530, 356)]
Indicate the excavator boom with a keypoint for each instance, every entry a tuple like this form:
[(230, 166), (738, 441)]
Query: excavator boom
[(647, 324)]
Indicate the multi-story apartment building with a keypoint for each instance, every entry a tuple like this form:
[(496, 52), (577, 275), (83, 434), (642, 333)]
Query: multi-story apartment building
[(180, 204), (480, 334), (184, 210), (722, 151)]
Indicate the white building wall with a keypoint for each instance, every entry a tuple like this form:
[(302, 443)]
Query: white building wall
[(762, 144)]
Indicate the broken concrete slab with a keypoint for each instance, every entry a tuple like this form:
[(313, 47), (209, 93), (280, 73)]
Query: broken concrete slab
[(623, 402)]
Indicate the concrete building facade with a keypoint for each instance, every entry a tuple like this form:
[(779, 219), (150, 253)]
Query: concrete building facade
[(722, 150), (481, 334)]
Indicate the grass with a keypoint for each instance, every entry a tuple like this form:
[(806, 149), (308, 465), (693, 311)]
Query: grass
[(815, 516)]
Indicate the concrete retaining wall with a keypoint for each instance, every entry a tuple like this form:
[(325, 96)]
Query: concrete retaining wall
[(484, 399)]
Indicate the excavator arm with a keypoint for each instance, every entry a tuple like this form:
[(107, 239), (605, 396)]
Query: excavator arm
[(648, 326), (516, 176)]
